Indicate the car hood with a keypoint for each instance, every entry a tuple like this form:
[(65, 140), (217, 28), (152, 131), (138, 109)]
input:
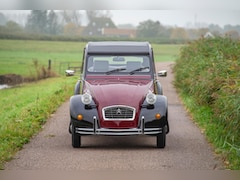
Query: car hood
[(109, 93), (127, 92)]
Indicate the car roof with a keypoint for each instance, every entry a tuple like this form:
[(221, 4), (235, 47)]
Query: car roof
[(119, 47)]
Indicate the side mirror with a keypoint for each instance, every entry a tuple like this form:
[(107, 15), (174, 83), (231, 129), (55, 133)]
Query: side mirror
[(162, 73)]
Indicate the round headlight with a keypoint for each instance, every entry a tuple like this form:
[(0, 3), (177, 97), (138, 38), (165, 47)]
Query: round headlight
[(86, 98), (151, 98)]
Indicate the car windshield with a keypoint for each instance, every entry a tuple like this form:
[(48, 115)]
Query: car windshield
[(118, 64)]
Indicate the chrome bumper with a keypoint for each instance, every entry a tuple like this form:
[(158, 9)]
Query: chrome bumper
[(118, 132)]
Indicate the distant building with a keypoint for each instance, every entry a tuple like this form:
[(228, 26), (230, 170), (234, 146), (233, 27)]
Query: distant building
[(209, 35), (105, 27), (96, 25)]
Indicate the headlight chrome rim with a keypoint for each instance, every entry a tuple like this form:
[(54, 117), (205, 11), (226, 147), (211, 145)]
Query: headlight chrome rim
[(151, 98), (86, 98)]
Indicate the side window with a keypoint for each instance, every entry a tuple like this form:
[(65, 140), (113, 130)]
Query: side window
[(90, 64), (145, 62)]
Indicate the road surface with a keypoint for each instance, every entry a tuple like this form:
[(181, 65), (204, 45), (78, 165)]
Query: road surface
[(186, 147)]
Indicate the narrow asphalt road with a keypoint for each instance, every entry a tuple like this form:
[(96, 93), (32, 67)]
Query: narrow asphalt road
[(186, 147)]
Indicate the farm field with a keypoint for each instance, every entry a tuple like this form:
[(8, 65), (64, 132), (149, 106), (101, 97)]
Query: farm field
[(18, 56)]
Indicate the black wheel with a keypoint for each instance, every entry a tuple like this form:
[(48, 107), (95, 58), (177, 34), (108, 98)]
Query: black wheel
[(70, 128), (161, 139), (167, 126), (76, 139)]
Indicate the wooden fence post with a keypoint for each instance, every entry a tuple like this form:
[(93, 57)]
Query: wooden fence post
[(49, 64)]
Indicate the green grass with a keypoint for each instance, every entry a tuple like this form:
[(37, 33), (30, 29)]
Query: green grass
[(25, 108), (16, 56), (166, 52), (207, 73), (226, 148)]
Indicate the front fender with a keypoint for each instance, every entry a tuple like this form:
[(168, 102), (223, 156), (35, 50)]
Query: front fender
[(87, 111), (149, 111)]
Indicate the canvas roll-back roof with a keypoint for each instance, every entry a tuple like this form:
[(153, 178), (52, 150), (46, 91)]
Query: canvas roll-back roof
[(106, 47)]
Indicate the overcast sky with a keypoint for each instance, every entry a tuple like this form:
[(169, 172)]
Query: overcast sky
[(120, 4), (168, 12), (178, 17)]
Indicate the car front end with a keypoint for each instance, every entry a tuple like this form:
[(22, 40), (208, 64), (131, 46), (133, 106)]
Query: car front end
[(120, 94)]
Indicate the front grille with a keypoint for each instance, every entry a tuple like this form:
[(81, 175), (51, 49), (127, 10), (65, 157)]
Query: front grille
[(119, 113)]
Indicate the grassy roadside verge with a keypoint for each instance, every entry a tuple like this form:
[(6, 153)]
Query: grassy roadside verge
[(203, 118), (207, 76), (25, 109)]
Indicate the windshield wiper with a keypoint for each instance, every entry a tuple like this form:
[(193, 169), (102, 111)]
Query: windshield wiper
[(115, 70), (139, 69)]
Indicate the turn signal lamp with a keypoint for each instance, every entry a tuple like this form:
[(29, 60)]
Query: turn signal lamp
[(158, 116), (80, 117)]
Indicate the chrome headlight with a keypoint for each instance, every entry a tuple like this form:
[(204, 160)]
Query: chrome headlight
[(151, 98), (86, 98)]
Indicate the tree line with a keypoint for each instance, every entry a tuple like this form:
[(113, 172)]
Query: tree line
[(70, 23)]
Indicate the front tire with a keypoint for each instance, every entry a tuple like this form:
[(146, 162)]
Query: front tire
[(161, 139), (76, 139)]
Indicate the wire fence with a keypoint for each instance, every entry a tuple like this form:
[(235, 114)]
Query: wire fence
[(63, 66)]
